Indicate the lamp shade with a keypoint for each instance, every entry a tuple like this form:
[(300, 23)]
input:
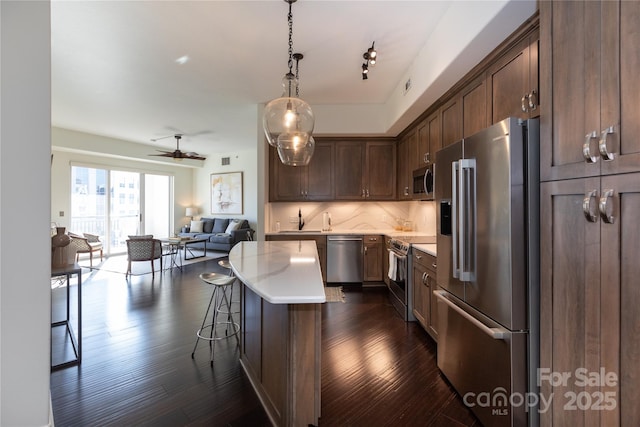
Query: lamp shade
[(190, 212)]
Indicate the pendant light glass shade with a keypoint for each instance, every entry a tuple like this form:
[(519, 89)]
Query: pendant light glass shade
[(293, 151), (287, 114)]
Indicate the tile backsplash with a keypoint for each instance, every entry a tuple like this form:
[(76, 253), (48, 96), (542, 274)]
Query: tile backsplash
[(352, 215)]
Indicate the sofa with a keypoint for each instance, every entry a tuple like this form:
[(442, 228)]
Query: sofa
[(221, 233)]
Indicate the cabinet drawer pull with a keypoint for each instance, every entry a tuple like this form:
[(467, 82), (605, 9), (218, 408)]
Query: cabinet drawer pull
[(586, 206), (418, 256), (434, 265), (586, 147), (604, 205), (602, 145), (533, 100), (525, 103)]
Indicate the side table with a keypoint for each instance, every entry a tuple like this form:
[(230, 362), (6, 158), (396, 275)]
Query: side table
[(76, 339)]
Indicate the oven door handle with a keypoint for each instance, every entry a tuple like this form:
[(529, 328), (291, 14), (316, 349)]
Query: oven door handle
[(398, 255), (495, 333)]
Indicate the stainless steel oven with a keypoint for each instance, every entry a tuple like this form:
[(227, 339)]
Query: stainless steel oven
[(400, 272)]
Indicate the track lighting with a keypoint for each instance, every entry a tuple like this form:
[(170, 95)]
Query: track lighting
[(370, 56)]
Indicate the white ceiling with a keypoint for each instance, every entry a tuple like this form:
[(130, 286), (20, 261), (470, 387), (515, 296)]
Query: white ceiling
[(114, 69)]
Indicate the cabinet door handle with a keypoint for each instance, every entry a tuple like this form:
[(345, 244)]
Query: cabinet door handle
[(367, 192), (427, 160), (362, 193), (365, 250), (602, 145), (524, 103), (406, 191), (533, 100), (426, 279), (586, 147), (418, 256), (586, 206), (604, 204), (434, 265)]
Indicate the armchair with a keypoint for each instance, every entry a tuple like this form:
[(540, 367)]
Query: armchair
[(144, 249), (88, 243)]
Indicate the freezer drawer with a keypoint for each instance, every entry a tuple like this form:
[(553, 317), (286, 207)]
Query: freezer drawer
[(484, 362)]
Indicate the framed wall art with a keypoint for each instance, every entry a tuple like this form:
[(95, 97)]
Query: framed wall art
[(226, 193)]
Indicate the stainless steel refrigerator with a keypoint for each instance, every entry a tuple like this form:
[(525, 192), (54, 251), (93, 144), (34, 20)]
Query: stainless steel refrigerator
[(487, 197)]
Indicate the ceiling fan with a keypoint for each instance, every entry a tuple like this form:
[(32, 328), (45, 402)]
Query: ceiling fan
[(177, 154)]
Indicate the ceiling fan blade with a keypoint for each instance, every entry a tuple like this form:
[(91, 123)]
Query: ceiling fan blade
[(177, 154), (173, 135)]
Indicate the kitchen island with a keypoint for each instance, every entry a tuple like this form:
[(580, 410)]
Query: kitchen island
[(282, 290)]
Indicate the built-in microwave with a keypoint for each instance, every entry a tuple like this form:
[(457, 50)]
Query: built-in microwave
[(423, 183)]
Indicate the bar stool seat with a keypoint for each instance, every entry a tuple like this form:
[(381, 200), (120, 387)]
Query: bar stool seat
[(219, 299)]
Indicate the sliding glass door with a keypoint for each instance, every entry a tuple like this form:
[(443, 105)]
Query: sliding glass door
[(124, 216), (115, 204)]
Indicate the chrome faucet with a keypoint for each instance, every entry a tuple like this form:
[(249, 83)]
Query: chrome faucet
[(300, 221)]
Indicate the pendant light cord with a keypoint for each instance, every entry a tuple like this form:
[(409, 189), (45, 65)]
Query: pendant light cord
[(290, 62)]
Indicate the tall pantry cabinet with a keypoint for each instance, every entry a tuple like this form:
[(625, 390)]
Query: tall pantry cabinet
[(590, 212)]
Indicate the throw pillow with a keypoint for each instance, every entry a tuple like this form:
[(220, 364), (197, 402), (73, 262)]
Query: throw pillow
[(233, 225), (207, 226), (196, 226), (220, 225)]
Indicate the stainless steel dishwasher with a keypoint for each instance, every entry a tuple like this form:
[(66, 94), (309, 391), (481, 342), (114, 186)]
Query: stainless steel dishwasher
[(344, 259)]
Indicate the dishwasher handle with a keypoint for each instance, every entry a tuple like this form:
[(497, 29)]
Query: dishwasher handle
[(344, 239)]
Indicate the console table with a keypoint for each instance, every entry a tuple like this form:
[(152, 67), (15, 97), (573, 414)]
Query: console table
[(76, 339)]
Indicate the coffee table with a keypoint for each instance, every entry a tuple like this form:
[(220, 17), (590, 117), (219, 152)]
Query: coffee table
[(186, 244), (176, 244)]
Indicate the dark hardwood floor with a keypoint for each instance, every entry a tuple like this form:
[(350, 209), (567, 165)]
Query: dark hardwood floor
[(137, 369)]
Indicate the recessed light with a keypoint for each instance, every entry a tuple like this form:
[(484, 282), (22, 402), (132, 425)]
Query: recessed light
[(182, 60)]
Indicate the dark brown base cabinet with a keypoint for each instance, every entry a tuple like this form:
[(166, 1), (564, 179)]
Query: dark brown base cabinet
[(424, 283), (590, 204), (280, 352), (373, 258)]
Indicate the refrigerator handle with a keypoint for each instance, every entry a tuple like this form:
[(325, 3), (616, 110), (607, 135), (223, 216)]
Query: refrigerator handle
[(454, 219), (466, 194), (495, 333)]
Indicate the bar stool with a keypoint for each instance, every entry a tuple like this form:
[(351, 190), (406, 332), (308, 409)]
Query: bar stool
[(224, 263), (220, 283)]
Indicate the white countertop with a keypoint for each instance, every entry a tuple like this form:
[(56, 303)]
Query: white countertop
[(280, 272), (431, 249)]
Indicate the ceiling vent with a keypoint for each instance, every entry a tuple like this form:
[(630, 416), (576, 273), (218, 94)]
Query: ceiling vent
[(226, 161)]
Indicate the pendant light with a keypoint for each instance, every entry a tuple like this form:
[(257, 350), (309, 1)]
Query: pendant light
[(292, 149), (288, 121)]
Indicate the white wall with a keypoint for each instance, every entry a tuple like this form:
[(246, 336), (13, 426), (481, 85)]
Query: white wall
[(65, 152), (25, 246), (240, 161)]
